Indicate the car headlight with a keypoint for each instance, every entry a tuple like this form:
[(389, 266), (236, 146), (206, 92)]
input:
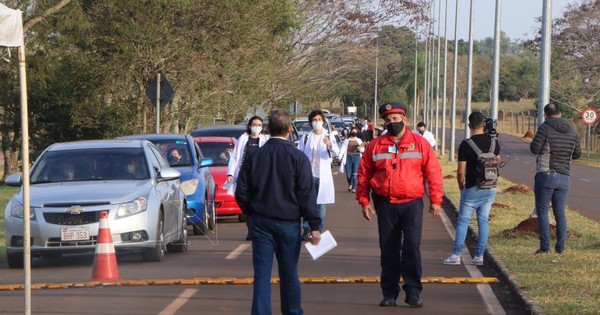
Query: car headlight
[(16, 210), (189, 186), (132, 207)]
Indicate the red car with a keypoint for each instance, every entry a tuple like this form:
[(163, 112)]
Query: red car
[(218, 149)]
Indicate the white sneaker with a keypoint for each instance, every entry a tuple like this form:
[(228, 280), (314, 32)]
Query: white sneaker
[(452, 260), (478, 260)]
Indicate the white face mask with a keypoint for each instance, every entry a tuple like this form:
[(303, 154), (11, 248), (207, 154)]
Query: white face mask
[(317, 125), (255, 130)]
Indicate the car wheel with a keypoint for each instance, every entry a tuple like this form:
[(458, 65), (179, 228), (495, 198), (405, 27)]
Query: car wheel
[(201, 228), (242, 218), (15, 260), (180, 245), (158, 252), (212, 217)]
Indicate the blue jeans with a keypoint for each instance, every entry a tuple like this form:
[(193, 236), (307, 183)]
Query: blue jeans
[(282, 239), (351, 169), (474, 200), (552, 187), (305, 225)]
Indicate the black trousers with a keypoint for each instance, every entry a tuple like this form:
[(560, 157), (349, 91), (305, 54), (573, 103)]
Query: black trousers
[(400, 226)]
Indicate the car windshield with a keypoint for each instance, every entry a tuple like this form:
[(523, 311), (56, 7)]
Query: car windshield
[(90, 164), (219, 152), (176, 151)]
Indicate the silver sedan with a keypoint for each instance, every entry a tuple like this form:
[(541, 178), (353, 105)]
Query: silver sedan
[(71, 183)]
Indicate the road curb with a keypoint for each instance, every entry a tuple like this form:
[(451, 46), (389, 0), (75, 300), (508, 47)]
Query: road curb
[(529, 306)]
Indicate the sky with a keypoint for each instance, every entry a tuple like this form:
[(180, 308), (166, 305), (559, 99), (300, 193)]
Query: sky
[(518, 17)]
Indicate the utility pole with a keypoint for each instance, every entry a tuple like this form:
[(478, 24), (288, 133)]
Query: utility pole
[(414, 119), (437, 94), (544, 85)]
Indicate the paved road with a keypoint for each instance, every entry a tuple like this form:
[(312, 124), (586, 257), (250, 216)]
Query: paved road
[(356, 255), (585, 180)]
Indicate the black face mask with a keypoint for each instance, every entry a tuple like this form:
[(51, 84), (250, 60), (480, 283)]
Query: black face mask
[(395, 128), (353, 134), (422, 132)]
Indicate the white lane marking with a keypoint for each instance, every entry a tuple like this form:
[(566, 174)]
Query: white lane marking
[(236, 252), (485, 290), (585, 180), (178, 302)]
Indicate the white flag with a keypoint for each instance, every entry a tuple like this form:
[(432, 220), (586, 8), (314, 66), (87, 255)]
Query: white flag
[(11, 27)]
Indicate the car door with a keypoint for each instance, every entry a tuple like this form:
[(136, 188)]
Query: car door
[(169, 193), (204, 173)]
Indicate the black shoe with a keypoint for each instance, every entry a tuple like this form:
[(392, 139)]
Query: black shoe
[(388, 302), (542, 252), (414, 301)]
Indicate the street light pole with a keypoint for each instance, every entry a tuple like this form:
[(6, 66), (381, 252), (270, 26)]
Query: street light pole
[(376, 72), (453, 110), (544, 85), (414, 119), (437, 94), (443, 144), (469, 74), (496, 65)]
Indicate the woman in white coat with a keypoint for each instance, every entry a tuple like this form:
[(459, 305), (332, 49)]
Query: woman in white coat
[(249, 142), (351, 151), (319, 146)]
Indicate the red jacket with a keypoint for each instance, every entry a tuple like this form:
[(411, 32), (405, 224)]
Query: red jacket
[(399, 176)]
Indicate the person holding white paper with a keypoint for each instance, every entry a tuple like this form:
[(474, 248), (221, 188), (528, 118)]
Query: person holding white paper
[(275, 187)]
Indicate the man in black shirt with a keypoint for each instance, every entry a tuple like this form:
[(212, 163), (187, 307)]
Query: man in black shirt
[(472, 198), (275, 187)]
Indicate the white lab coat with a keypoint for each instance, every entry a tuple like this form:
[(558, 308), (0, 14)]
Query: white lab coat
[(235, 160), (326, 193), (344, 151)]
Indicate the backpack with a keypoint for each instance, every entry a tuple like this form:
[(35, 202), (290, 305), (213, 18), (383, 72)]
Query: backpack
[(487, 165)]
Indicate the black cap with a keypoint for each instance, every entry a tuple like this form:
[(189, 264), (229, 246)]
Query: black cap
[(392, 107)]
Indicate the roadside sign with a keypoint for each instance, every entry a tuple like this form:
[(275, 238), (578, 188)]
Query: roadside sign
[(589, 116), (166, 91)]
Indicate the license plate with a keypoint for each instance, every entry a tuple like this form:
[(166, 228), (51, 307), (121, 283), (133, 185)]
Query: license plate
[(75, 233)]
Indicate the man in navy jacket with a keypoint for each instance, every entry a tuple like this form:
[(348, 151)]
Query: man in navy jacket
[(275, 187)]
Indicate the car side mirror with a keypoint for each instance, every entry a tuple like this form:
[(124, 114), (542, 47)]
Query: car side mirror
[(14, 180), (206, 162)]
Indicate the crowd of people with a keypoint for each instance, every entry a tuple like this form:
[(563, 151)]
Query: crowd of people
[(284, 190)]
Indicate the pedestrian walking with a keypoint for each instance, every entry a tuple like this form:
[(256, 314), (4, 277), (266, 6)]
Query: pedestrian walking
[(422, 130), (556, 143), (393, 169), (319, 146), (473, 198), (248, 143), (351, 150), (275, 187)]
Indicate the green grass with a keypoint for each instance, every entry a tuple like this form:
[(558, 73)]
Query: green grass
[(515, 107), (6, 193), (558, 284)]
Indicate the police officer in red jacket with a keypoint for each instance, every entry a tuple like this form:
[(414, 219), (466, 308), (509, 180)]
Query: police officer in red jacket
[(393, 170)]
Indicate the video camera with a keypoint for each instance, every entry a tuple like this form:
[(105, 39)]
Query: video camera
[(490, 127)]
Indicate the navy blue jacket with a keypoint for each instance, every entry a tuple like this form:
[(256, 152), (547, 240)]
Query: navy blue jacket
[(276, 182)]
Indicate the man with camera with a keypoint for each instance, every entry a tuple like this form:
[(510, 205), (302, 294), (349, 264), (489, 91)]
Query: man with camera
[(477, 192)]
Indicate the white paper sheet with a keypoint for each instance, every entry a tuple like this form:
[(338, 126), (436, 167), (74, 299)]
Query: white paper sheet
[(326, 244)]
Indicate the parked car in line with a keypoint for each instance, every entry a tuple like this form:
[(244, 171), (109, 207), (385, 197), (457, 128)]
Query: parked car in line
[(219, 150), (234, 131), (72, 183), (196, 179)]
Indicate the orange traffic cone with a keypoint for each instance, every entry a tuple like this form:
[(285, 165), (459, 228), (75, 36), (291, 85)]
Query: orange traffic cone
[(105, 260)]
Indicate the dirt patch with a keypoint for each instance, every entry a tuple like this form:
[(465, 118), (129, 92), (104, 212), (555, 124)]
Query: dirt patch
[(518, 189), (500, 206), (529, 226), (449, 176)]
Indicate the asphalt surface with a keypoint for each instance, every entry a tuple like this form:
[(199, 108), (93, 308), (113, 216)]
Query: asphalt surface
[(226, 255)]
